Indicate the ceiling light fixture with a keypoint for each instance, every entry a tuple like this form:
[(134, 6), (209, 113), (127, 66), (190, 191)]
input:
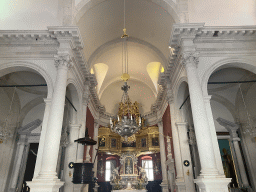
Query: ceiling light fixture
[(128, 120)]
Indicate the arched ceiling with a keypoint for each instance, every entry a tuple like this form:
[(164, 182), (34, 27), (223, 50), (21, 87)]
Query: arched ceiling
[(148, 26)]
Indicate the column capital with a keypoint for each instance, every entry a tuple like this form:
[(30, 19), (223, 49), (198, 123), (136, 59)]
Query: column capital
[(96, 123), (22, 140), (170, 96), (47, 100), (207, 98), (190, 58), (181, 124), (160, 123), (63, 60), (86, 94), (75, 126)]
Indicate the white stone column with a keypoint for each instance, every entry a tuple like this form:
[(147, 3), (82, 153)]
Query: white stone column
[(164, 183), (180, 182), (47, 180), (170, 164), (202, 130), (18, 162), (232, 128), (182, 128), (42, 137), (80, 151), (214, 136)]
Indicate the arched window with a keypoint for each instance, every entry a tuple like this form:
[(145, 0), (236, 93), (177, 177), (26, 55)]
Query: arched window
[(110, 166), (147, 164)]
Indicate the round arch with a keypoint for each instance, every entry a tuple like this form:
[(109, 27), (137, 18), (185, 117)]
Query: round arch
[(178, 100), (117, 79), (99, 50), (16, 66), (86, 5), (76, 95), (176, 88), (225, 63)]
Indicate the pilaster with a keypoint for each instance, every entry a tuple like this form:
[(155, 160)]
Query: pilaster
[(182, 128), (214, 136), (85, 100), (164, 183), (94, 152), (42, 137), (70, 156), (176, 143)]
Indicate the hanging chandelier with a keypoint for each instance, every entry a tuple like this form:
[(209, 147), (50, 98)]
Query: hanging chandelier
[(128, 120)]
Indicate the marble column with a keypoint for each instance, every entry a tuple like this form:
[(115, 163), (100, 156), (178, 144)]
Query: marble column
[(47, 180), (202, 130), (232, 128), (182, 128), (22, 143), (180, 182), (170, 164), (80, 150), (164, 183)]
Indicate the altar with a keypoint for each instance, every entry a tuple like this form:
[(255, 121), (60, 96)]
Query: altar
[(129, 178)]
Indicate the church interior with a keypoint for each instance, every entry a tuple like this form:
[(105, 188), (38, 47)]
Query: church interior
[(127, 95)]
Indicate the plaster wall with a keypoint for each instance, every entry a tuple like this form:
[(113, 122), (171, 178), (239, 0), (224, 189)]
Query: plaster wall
[(222, 13), (30, 14)]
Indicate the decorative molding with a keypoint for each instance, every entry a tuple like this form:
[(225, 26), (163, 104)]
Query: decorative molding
[(63, 60), (190, 58)]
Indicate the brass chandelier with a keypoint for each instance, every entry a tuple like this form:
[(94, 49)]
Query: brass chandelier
[(128, 120)]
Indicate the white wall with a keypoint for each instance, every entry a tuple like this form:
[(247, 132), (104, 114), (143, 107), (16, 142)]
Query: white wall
[(29, 14), (222, 12)]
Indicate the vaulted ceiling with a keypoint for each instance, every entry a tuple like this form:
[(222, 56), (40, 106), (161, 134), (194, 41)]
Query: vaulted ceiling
[(148, 26)]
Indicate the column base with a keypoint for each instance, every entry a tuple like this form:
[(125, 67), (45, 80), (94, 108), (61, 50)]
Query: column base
[(181, 186), (39, 185), (81, 187), (96, 187), (164, 186), (212, 184)]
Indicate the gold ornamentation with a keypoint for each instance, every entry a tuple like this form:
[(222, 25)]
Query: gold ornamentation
[(125, 77), (151, 134)]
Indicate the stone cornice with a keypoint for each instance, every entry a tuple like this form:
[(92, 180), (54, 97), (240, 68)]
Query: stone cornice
[(187, 31)]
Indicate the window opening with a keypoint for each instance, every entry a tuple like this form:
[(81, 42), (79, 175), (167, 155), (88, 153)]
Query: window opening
[(148, 166)]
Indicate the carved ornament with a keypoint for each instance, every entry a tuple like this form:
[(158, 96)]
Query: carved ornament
[(63, 61)]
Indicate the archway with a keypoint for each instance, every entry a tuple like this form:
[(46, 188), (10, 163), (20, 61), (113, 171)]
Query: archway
[(22, 91), (232, 88)]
